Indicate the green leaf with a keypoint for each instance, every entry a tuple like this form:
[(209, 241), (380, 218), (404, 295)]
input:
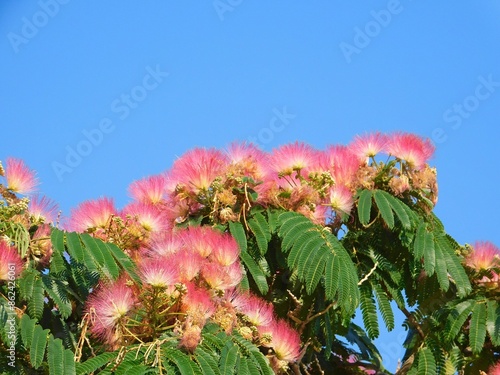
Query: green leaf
[(493, 322), (364, 206), (59, 359), (27, 329), (36, 302), (124, 261), (332, 276), (441, 269), (426, 362), (419, 245), (457, 318), (400, 209), (384, 207), (37, 347), (257, 274), (185, 365), (429, 255), (101, 254), (57, 292), (75, 249), (454, 266), (57, 262), (384, 306), (206, 361), (315, 269), (228, 358), (369, 311), (260, 228), (95, 363), (238, 232), (477, 331)]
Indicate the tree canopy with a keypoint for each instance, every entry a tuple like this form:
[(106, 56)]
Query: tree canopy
[(249, 262)]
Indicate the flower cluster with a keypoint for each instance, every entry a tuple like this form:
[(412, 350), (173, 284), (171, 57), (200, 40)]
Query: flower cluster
[(483, 258), (26, 233), (188, 278), (223, 185)]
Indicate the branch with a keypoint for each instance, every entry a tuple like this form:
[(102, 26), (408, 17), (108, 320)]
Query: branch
[(368, 274)]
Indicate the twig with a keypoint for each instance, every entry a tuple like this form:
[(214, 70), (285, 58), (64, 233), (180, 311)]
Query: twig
[(368, 274)]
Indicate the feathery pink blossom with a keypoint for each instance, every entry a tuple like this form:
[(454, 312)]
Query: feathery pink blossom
[(341, 199), (108, 306), (158, 274), (368, 145), (20, 179), (91, 214), (11, 263), (149, 217), (149, 190), (201, 240), (166, 244), (342, 163), (42, 208), (41, 245), (285, 341), (293, 157), (214, 274), (484, 256), (410, 147), (247, 159), (258, 311), (188, 264), (197, 169), (494, 369), (225, 250), (197, 304)]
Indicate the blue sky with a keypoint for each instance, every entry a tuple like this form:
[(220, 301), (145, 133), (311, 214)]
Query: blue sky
[(94, 95)]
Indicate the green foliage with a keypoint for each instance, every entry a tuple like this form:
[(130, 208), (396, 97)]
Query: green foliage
[(315, 253)]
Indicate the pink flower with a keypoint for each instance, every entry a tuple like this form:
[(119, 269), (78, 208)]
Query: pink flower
[(484, 256), (294, 157), (285, 341), (109, 306), (247, 160), (149, 190), (258, 311), (158, 273), (166, 244), (343, 164), (11, 263), (341, 199), (43, 209), (410, 147), (41, 245), (20, 179), (196, 170), (188, 263), (225, 250), (91, 214), (201, 240), (214, 274), (197, 304), (495, 369), (368, 145), (149, 217)]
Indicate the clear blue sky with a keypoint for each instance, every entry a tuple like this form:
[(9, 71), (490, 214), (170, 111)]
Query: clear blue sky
[(146, 81)]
